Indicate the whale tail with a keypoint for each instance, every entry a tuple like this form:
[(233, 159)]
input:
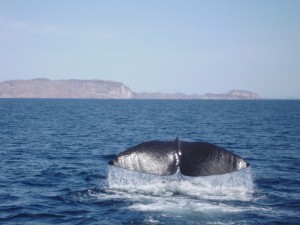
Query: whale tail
[(190, 158)]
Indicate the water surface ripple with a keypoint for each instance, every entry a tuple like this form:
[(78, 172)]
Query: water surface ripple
[(54, 155)]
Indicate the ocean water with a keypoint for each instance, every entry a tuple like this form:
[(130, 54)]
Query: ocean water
[(54, 154)]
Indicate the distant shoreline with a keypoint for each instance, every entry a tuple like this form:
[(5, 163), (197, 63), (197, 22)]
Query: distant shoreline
[(42, 88), (150, 99)]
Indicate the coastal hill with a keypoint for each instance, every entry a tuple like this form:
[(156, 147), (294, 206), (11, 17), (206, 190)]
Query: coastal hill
[(45, 88), (233, 94), (97, 89)]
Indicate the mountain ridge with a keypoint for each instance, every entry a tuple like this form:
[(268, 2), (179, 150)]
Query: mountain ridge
[(99, 89)]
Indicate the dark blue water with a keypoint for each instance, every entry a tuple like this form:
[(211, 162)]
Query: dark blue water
[(54, 155)]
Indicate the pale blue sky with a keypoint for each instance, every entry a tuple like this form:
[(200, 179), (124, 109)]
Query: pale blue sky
[(159, 45)]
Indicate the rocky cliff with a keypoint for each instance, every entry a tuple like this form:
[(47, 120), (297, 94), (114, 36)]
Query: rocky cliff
[(97, 89), (44, 88)]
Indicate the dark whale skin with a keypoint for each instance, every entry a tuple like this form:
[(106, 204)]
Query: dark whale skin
[(190, 158)]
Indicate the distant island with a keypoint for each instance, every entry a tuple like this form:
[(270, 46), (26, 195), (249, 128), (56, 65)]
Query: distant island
[(98, 89)]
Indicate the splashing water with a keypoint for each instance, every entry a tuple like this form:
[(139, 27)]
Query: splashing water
[(181, 194)]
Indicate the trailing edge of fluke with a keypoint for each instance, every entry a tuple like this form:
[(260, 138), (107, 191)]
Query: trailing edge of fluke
[(190, 158)]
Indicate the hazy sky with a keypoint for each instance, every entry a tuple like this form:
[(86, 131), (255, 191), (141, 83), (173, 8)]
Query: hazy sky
[(156, 45)]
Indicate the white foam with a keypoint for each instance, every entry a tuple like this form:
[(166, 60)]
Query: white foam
[(178, 194), (230, 183)]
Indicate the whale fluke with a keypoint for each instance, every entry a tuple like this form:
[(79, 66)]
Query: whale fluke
[(190, 158)]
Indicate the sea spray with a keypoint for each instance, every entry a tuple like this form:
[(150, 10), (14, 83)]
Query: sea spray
[(178, 193), (119, 178)]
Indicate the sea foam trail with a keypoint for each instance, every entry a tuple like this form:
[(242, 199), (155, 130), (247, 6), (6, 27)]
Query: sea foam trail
[(180, 194)]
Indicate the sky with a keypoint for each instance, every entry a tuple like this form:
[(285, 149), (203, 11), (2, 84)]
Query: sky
[(189, 46)]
